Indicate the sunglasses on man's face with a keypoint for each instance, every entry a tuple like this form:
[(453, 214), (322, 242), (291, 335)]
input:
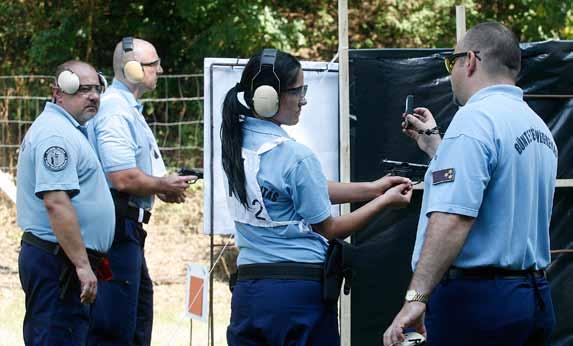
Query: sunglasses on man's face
[(450, 60)]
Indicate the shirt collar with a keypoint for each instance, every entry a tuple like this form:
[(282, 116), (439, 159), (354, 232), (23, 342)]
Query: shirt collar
[(506, 89), (122, 88), (264, 126), (56, 109)]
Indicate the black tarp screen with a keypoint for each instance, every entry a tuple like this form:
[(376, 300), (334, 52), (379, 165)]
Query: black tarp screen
[(379, 82)]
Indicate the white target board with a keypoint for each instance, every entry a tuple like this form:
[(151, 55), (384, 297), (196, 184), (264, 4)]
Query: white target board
[(318, 129)]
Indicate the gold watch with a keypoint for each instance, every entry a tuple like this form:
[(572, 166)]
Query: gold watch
[(415, 296)]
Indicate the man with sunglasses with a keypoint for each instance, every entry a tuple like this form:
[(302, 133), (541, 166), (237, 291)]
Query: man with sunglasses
[(130, 157), (483, 236), (65, 209)]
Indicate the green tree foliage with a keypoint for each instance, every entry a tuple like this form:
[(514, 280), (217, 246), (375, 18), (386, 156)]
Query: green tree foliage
[(432, 23), (36, 35)]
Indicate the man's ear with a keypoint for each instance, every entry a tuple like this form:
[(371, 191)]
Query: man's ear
[(471, 63), (56, 94)]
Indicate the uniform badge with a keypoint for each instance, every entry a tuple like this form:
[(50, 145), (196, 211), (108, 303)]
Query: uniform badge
[(443, 176), (55, 158)]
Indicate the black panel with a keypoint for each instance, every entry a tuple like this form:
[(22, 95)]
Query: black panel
[(380, 80)]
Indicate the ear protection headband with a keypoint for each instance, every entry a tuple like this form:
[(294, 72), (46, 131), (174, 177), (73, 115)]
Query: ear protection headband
[(132, 69), (69, 82), (266, 86)]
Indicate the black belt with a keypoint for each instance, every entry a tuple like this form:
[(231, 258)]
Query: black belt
[(281, 271), (137, 214), (53, 248), (124, 210), (491, 273)]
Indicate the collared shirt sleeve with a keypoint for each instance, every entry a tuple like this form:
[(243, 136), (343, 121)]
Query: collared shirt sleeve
[(308, 188), (116, 146), (460, 175), (55, 161)]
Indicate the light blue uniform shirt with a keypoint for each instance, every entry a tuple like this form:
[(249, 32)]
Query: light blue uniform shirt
[(56, 155), (293, 188), (118, 133), (504, 160)]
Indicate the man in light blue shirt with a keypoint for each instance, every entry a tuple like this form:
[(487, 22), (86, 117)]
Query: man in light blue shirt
[(130, 157), (65, 209), (483, 235)]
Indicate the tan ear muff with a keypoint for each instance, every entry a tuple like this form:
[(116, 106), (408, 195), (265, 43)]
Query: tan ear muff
[(133, 71), (266, 101), (265, 86), (68, 82)]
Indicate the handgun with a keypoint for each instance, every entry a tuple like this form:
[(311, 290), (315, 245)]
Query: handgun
[(413, 171), (198, 172)]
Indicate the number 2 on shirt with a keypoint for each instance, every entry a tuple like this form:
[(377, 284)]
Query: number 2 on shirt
[(258, 213)]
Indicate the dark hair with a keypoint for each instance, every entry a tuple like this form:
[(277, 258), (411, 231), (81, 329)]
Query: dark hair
[(286, 68), (498, 47)]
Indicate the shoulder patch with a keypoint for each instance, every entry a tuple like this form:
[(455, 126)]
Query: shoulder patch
[(55, 158), (443, 176)]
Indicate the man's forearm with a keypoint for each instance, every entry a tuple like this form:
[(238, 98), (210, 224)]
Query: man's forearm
[(134, 182), (65, 226), (445, 237), (350, 192)]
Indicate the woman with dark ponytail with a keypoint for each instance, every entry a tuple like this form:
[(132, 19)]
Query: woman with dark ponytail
[(281, 204)]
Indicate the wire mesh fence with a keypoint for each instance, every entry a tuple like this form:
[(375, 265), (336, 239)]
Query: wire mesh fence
[(174, 111)]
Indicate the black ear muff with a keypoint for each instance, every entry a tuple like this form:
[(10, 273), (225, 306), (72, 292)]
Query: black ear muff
[(132, 69), (68, 82), (266, 86)]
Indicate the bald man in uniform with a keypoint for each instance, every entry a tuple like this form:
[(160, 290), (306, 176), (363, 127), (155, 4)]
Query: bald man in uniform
[(130, 157)]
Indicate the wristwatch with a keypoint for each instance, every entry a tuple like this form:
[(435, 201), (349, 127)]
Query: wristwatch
[(415, 296)]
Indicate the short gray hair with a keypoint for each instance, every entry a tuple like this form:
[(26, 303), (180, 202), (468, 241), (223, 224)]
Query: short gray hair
[(498, 47)]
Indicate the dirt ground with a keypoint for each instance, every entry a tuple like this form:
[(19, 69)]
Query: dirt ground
[(174, 239)]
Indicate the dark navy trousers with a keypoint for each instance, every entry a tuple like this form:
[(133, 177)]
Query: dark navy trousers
[(123, 311), (49, 320), (281, 312), (497, 312)]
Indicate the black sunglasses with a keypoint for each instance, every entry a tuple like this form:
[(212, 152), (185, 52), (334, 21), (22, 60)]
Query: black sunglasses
[(450, 60)]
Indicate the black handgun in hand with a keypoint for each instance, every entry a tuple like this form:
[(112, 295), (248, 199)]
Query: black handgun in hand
[(413, 171), (198, 172)]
